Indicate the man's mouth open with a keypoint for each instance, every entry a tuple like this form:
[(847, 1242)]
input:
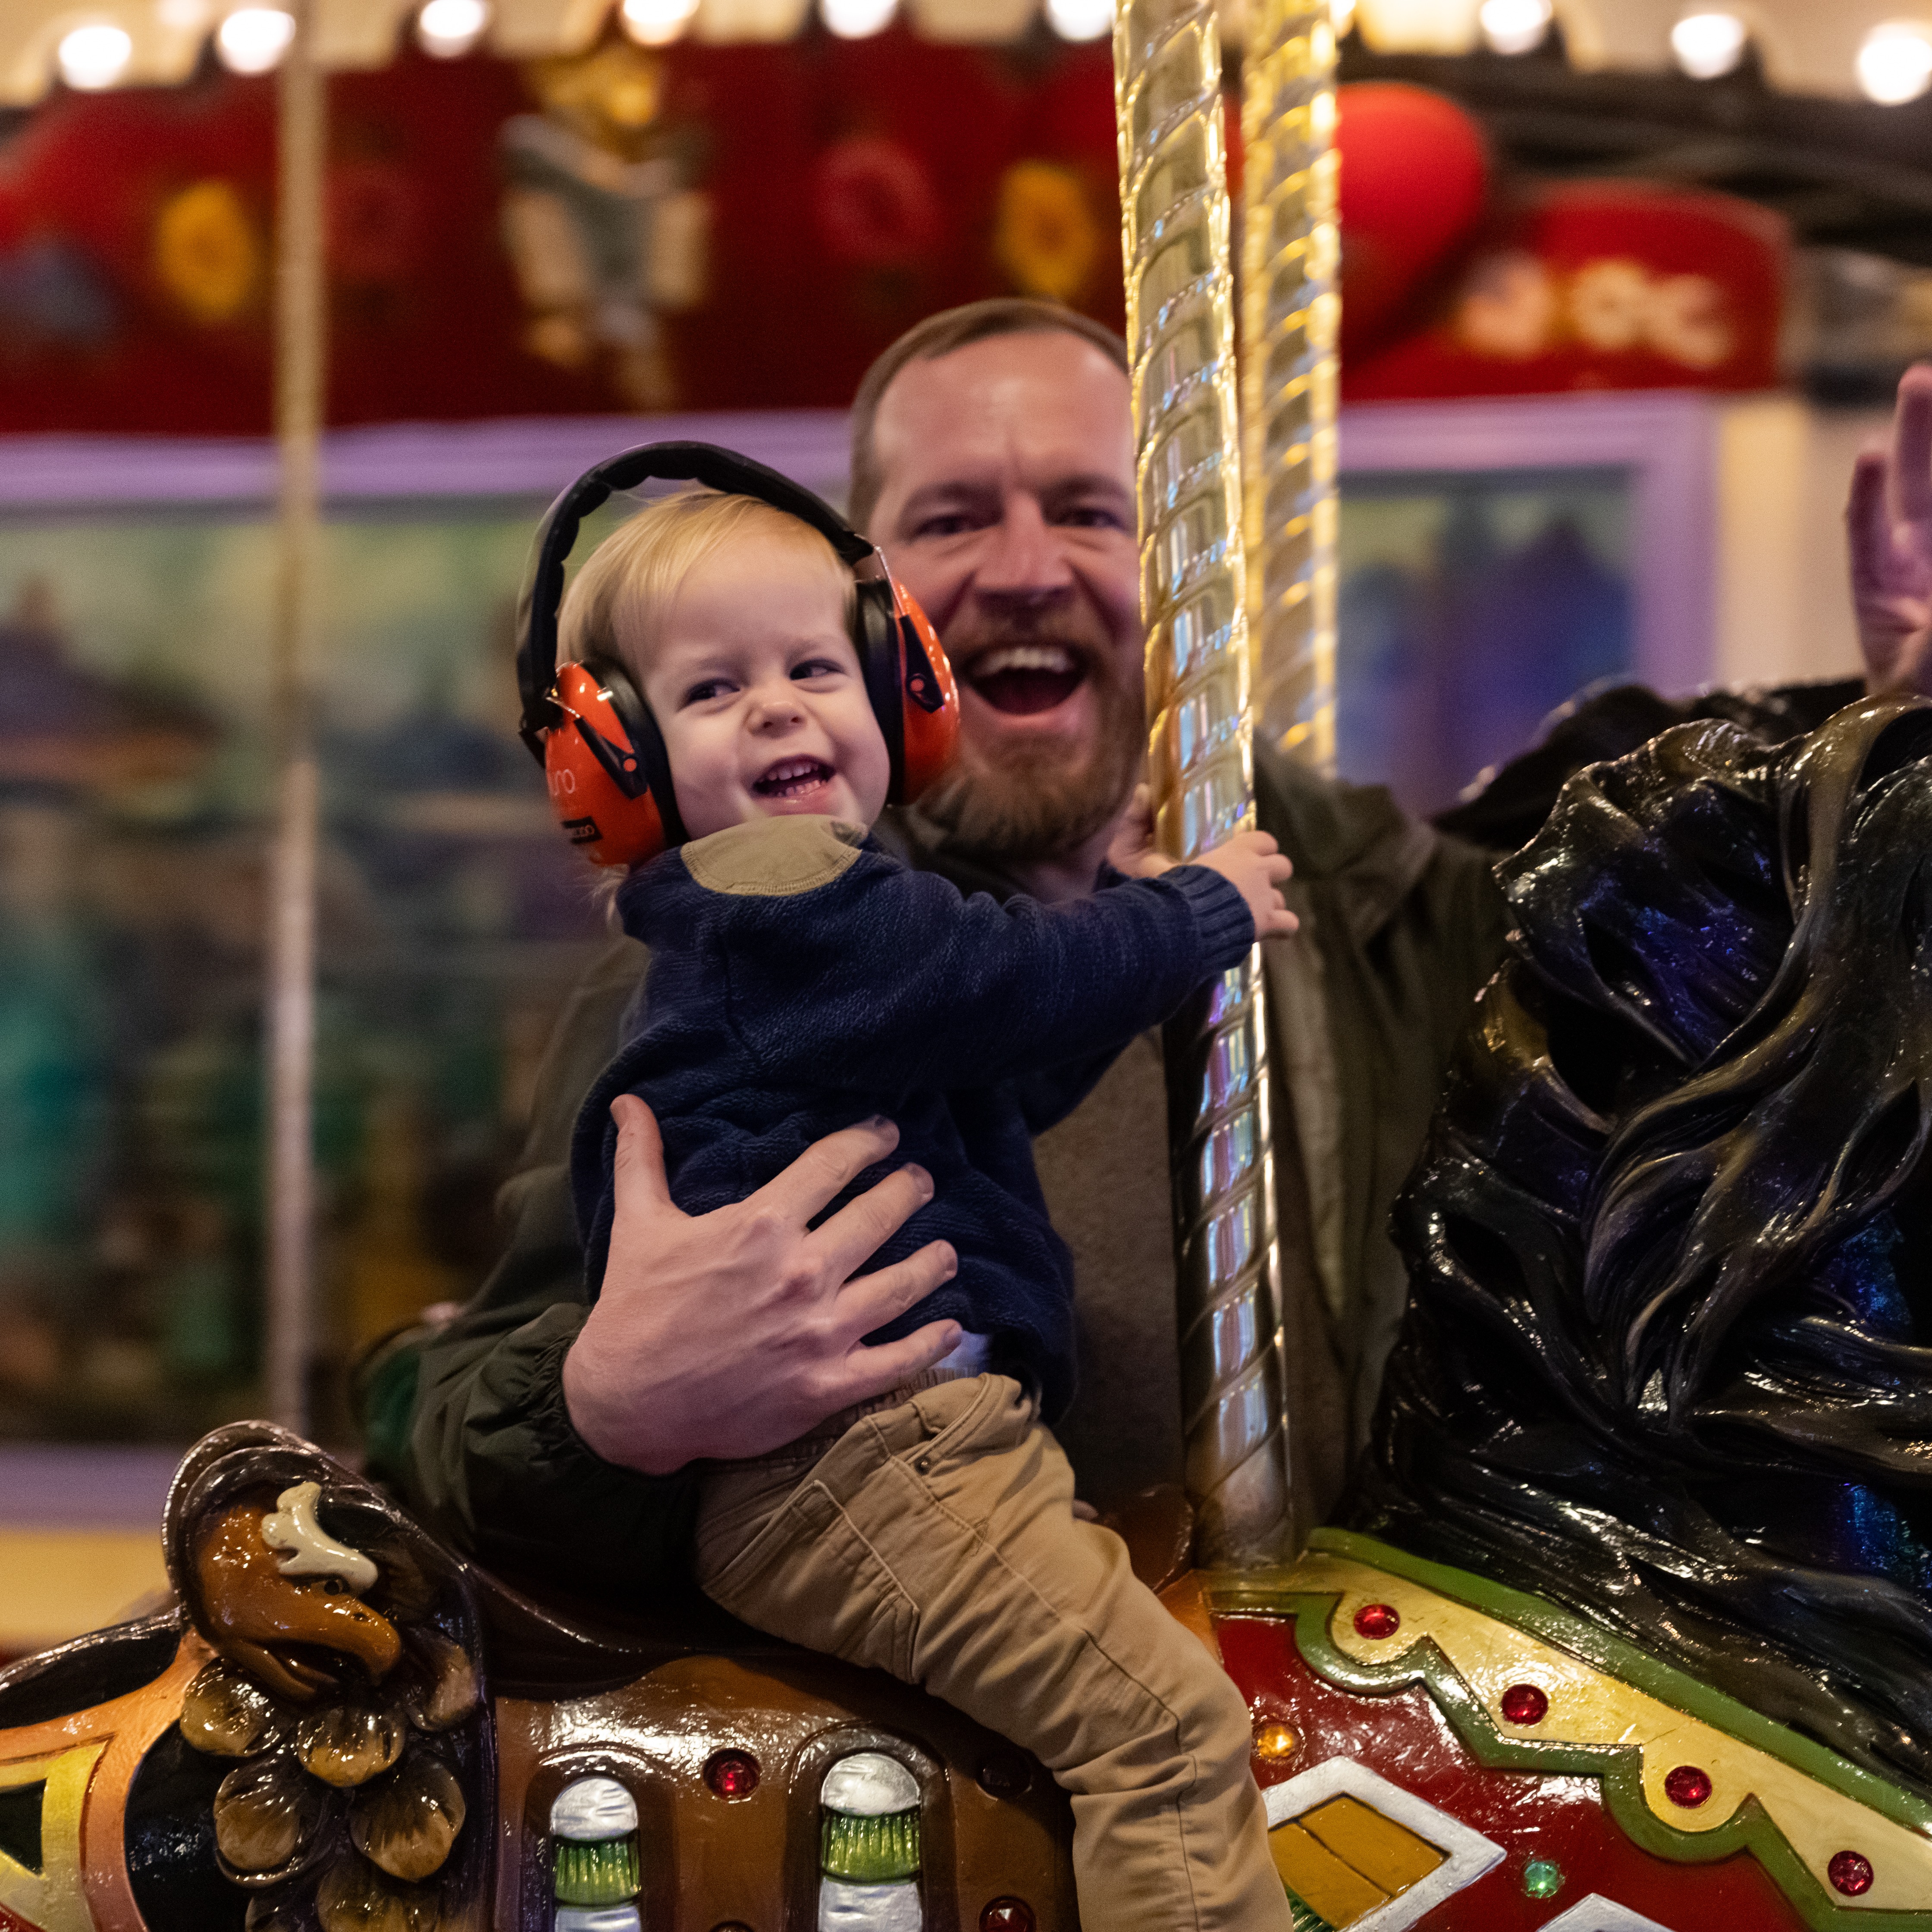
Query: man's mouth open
[(794, 778), (1021, 679)]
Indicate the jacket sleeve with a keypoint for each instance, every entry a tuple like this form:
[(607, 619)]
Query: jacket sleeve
[(1514, 800), (896, 981), (467, 1421)]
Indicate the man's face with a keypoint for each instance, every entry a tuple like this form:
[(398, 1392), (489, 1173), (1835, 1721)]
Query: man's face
[(1007, 510)]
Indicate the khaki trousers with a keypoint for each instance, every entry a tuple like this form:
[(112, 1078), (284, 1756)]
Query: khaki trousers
[(937, 1540)]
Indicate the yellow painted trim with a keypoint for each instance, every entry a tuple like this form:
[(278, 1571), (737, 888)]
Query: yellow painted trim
[(53, 1898), (1588, 1707), (1321, 1879), (1386, 1853)]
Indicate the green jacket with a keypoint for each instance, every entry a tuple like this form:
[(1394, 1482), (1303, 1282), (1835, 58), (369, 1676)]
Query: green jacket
[(1401, 925)]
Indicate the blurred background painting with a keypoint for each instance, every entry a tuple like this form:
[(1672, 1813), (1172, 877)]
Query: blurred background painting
[(628, 228), (132, 789), (1471, 606)]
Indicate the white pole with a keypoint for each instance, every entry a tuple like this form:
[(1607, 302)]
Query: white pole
[(300, 321)]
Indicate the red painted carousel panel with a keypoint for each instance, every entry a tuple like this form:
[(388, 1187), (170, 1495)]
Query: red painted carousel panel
[(1538, 1819)]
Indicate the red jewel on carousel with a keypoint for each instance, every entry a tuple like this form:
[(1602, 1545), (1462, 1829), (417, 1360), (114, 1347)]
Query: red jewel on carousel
[(1007, 1915), (1377, 1621), (732, 1774), (1850, 1873), (1686, 1785), (1525, 1704)]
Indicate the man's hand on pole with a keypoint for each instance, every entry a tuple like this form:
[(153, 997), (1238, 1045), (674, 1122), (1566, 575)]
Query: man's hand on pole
[(729, 1334), (1888, 528)]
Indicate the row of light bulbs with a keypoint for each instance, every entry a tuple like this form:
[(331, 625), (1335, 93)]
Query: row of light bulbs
[(1894, 63), (253, 39)]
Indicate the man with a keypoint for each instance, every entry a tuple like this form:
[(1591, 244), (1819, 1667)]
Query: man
[(993, 460)]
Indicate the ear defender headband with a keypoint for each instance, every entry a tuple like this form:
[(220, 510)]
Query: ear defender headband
[(587, 723)]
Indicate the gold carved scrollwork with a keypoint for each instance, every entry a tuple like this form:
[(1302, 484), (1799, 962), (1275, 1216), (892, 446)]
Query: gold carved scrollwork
[(84, 1764)]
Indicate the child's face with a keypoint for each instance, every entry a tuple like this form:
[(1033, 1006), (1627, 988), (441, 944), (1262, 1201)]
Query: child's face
[(756, 686)]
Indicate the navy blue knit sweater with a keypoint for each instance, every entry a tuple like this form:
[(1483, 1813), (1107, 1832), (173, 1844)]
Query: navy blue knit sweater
[(802, 979)]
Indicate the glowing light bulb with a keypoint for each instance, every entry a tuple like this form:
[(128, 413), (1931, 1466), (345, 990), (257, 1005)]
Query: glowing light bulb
[(448, 28), (1708, 45), (1895, 64), (252, 40), (1515, 26), (1342, 16), (656, 23), (93, 57), (857, 19), (1080, 19)]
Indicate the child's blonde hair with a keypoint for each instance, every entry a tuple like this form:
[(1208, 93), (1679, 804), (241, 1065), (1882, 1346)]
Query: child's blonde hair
[(617, 603)]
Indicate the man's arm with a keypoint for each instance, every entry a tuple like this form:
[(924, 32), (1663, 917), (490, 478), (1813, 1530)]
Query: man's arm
[(469, 1425)]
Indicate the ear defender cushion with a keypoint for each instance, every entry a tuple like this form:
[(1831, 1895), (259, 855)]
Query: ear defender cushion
[(875, 638), (604, 763)]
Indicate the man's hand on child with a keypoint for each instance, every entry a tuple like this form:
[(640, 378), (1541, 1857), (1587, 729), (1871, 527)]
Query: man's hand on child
[(1252, 862), (731, 1333)]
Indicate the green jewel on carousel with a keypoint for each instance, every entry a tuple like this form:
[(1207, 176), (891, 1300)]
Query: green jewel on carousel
[(593, 1828), (1542, 1878), (868, 1849)]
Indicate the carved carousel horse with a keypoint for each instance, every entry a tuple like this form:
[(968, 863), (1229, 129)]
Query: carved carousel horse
[(1630, 1626)]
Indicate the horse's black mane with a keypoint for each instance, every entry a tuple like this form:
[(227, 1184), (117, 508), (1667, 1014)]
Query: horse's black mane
[(1670, 1239)]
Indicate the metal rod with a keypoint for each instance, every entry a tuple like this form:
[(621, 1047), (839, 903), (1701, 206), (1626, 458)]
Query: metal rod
[(1291, 313), (1175, 237), (300, 325)]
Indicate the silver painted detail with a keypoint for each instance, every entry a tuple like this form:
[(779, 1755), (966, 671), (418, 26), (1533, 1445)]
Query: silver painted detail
[(868, 1784), (598, 1918), (844, 1907), (592, 1809)]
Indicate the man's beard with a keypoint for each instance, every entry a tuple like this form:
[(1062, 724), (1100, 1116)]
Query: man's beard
[(1025, 799)]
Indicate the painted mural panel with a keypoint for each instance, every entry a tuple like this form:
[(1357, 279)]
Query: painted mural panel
[(1471, 606), (133, 669)]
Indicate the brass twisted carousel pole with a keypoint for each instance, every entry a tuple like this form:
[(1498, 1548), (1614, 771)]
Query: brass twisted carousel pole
[(1290, 315), (1175, 218)]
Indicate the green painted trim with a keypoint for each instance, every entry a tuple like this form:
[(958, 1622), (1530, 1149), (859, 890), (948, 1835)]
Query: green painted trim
[(1662, 1681), (1307, 1918), (600, 1871), (1619, 1768), (869, 1850)]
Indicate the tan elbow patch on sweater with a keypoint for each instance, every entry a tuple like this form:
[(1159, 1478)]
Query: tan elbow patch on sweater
[(774, 858)]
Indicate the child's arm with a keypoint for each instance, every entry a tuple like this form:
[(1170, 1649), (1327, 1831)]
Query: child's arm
[(889, 979)]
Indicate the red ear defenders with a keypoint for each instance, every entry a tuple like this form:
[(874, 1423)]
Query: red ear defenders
[(588, 725)]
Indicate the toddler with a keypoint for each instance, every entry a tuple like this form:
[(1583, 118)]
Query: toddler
[(801, 980)]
